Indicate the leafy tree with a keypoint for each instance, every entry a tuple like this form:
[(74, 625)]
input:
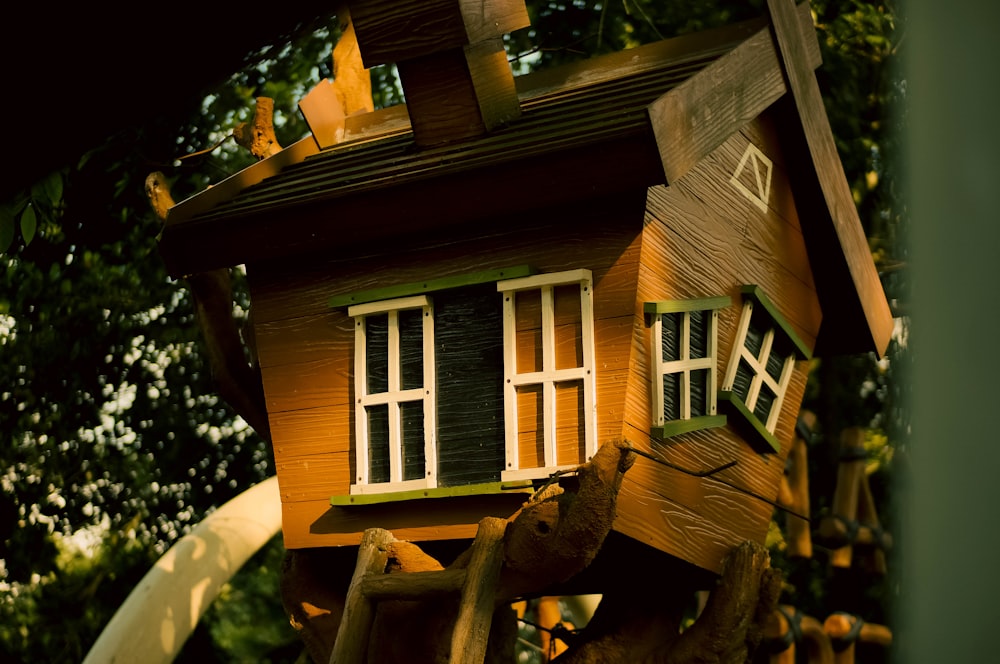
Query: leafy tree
[(114, 444)]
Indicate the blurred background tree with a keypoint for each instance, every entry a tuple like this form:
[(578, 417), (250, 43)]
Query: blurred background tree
[(113, 443)]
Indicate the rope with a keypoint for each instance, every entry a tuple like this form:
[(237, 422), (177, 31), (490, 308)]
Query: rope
[(841, 643)]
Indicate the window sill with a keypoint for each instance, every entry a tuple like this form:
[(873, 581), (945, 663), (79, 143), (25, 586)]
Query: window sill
[(437, 492), (677, 427)]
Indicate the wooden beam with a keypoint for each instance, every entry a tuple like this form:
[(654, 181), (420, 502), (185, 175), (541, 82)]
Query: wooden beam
[(396, 30), (832, 182), (459, 93), (359, 611), (475, 612), (699, 115)]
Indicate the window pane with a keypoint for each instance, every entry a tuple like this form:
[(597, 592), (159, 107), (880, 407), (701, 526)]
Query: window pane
[(568, 326), (671, 397), (377, 352), (699, 333), (411, 348), (571, 433), (741, 384), (764, 402), (378, 443), (528, 327), (755, 337), (775, 363), (670, 340), (530, 426), (412, 415), (699, 392)]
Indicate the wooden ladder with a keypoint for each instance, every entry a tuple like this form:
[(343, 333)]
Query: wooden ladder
[(370, 584)]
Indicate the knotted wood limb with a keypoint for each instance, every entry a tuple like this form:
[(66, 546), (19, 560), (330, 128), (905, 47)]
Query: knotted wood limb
[(641, 625), (258, 136), (555, 535), (237, 382), (550, 539)]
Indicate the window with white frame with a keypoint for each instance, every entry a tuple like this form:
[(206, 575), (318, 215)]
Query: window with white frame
[(683, 335), (549, 382), (394, 389), (761, 365)]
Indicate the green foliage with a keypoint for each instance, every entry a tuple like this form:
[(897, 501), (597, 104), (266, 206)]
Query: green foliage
[(112, 434)]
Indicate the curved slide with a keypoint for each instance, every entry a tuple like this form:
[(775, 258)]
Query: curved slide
[(162, 611)]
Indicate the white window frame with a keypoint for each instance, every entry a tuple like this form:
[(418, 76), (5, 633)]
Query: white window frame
[(758, 365), (394, 396), (549, 375), (686, 364)]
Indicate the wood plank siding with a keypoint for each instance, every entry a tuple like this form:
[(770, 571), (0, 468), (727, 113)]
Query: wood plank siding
[(306, 354), (702, 238), (670, 172)]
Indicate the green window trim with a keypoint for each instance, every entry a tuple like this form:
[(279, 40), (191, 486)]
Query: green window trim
[(681, 306), (754, 293), (677, 427), (684, 366), (429, 286), (753, 429), (487, 488)]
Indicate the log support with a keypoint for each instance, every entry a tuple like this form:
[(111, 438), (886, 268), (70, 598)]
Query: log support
[(854, 520)]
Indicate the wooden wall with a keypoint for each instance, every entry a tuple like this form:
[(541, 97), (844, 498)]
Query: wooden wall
[(306, 353), (702, 238)]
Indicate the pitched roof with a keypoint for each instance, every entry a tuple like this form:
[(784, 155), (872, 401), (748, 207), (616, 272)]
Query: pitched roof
[(602, 126)]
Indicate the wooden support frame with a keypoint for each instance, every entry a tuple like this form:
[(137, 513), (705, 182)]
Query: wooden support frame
[(786, 630), (476, 585), (844, 631), (475, 610), (793, 493), (359, 611), (854, 520)]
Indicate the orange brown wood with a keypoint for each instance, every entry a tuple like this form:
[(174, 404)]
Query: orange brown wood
[(808, 634), (794, 494), (827, 175)]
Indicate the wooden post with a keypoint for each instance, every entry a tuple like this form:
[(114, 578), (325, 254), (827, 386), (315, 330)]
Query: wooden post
[(475, 612), (794, 492), (844, 630), (852, 501), (783, 637), (451, 61), (359, 611)]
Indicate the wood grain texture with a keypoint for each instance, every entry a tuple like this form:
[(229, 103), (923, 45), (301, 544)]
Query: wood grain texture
[(315, 523), (458, 93), (359, 611), (697, 116), (308, 352), (700, 247), (829, 171), (701, 523), (475, 609), (391, 31)]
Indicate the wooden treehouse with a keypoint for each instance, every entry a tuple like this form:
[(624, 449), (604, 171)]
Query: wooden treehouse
[(456, 298)]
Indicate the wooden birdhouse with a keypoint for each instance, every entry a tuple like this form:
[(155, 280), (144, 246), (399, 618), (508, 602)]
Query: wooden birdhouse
[(456, 298)]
